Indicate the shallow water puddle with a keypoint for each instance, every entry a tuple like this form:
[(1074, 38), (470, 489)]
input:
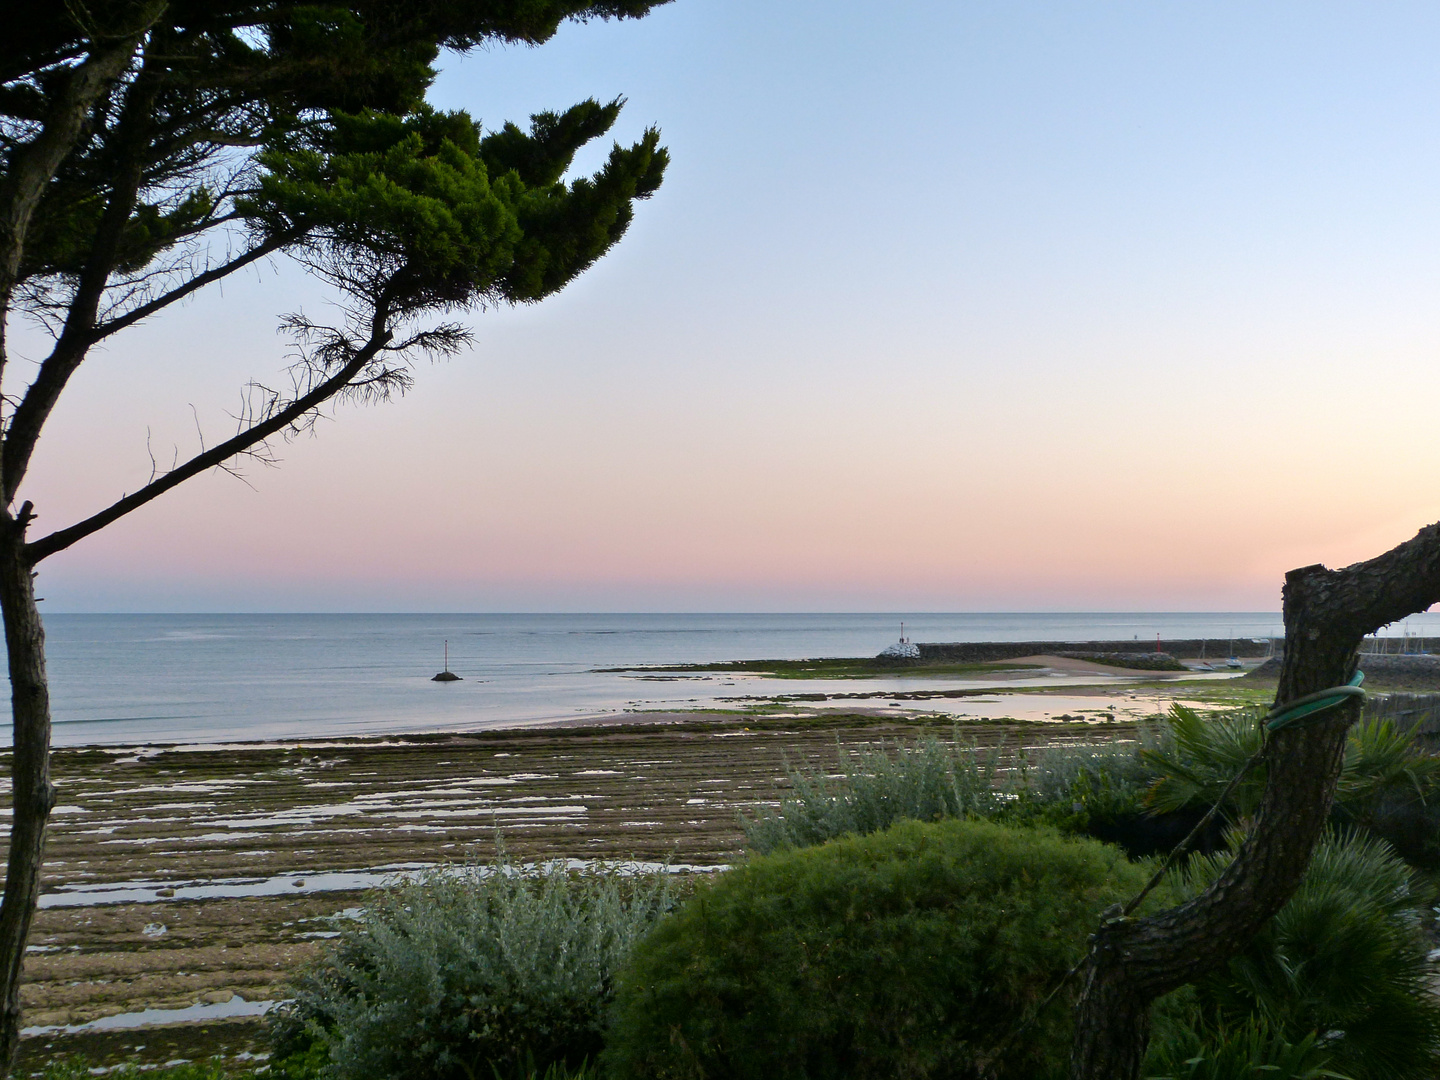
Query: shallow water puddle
[(1046, 707), (150, 892), (222, 1010)]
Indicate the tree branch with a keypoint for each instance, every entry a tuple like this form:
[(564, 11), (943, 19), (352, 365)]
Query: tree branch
[(130, 136), (217, 456), (1133, 961), (33, 167), (1368, 595), (192, 285)]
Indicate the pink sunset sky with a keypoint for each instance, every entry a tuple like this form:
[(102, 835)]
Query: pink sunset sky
[(957, 307)]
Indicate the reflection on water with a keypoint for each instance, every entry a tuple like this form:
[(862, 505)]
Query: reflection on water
[(151, 892), (221, 1010)]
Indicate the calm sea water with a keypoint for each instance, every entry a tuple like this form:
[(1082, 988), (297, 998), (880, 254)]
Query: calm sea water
[(217, 678)]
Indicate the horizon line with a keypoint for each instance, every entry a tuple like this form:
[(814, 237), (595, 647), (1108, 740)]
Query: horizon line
[(896, 612)]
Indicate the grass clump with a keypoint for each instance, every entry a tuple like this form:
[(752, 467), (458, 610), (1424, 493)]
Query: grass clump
[(1073, 789), (485, 972), (906, 953), (927, 781), (1145, 795)]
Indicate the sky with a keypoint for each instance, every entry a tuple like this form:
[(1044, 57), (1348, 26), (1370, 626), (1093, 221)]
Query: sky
[(943, 306)]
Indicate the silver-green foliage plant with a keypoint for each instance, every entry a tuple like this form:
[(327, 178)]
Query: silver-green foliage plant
[(474, 973), (79, 1068), (931, 780), (927, 781), (1344, 962)]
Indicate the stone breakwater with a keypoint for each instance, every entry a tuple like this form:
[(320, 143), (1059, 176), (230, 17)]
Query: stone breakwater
[(1383, 672), (1134, 661), (1373, 664), (980, 652)]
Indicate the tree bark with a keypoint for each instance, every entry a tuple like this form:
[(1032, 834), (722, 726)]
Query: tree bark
[(1134, 961), (33, 793)]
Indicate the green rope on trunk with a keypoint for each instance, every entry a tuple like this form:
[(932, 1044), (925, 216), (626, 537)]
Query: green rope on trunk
[(1311, 705), (1301, 708)]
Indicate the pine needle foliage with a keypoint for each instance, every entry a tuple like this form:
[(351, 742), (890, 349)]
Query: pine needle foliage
[(480, 974), (1204, 755), (1389, 784), (150, 149)]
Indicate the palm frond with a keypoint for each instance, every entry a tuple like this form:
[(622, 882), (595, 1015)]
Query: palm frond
[(1203, 755)]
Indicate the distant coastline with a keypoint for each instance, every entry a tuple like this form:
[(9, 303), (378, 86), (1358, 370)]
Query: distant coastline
[(132, 679)]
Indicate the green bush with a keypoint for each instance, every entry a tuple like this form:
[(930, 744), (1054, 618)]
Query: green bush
[(909, 953), (472, 974), (1345, 961)]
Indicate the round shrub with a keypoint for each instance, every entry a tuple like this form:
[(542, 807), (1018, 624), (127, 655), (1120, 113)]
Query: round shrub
[(908, 953)]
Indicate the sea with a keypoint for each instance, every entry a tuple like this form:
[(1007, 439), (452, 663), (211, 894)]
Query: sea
[(188, 678)]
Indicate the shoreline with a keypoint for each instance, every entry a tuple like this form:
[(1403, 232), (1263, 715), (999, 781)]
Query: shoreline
[(228, 863), (729, 698)]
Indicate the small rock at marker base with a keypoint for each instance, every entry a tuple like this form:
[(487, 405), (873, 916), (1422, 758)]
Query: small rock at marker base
[(298, 882)]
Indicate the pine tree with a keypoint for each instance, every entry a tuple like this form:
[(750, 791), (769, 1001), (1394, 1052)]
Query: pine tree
[(149, 149), (1133, 961)]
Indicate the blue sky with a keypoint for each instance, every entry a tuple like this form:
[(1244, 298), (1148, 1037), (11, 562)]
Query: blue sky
[(945, 306)]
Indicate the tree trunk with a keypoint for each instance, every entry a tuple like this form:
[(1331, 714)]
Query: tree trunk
[(33, 793), (1134, 961)]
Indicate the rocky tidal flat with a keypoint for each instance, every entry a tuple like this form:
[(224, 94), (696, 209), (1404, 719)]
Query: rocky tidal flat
[(198, 877)]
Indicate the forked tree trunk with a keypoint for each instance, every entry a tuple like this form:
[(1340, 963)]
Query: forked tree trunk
[(33, 794), (1134, 961)]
